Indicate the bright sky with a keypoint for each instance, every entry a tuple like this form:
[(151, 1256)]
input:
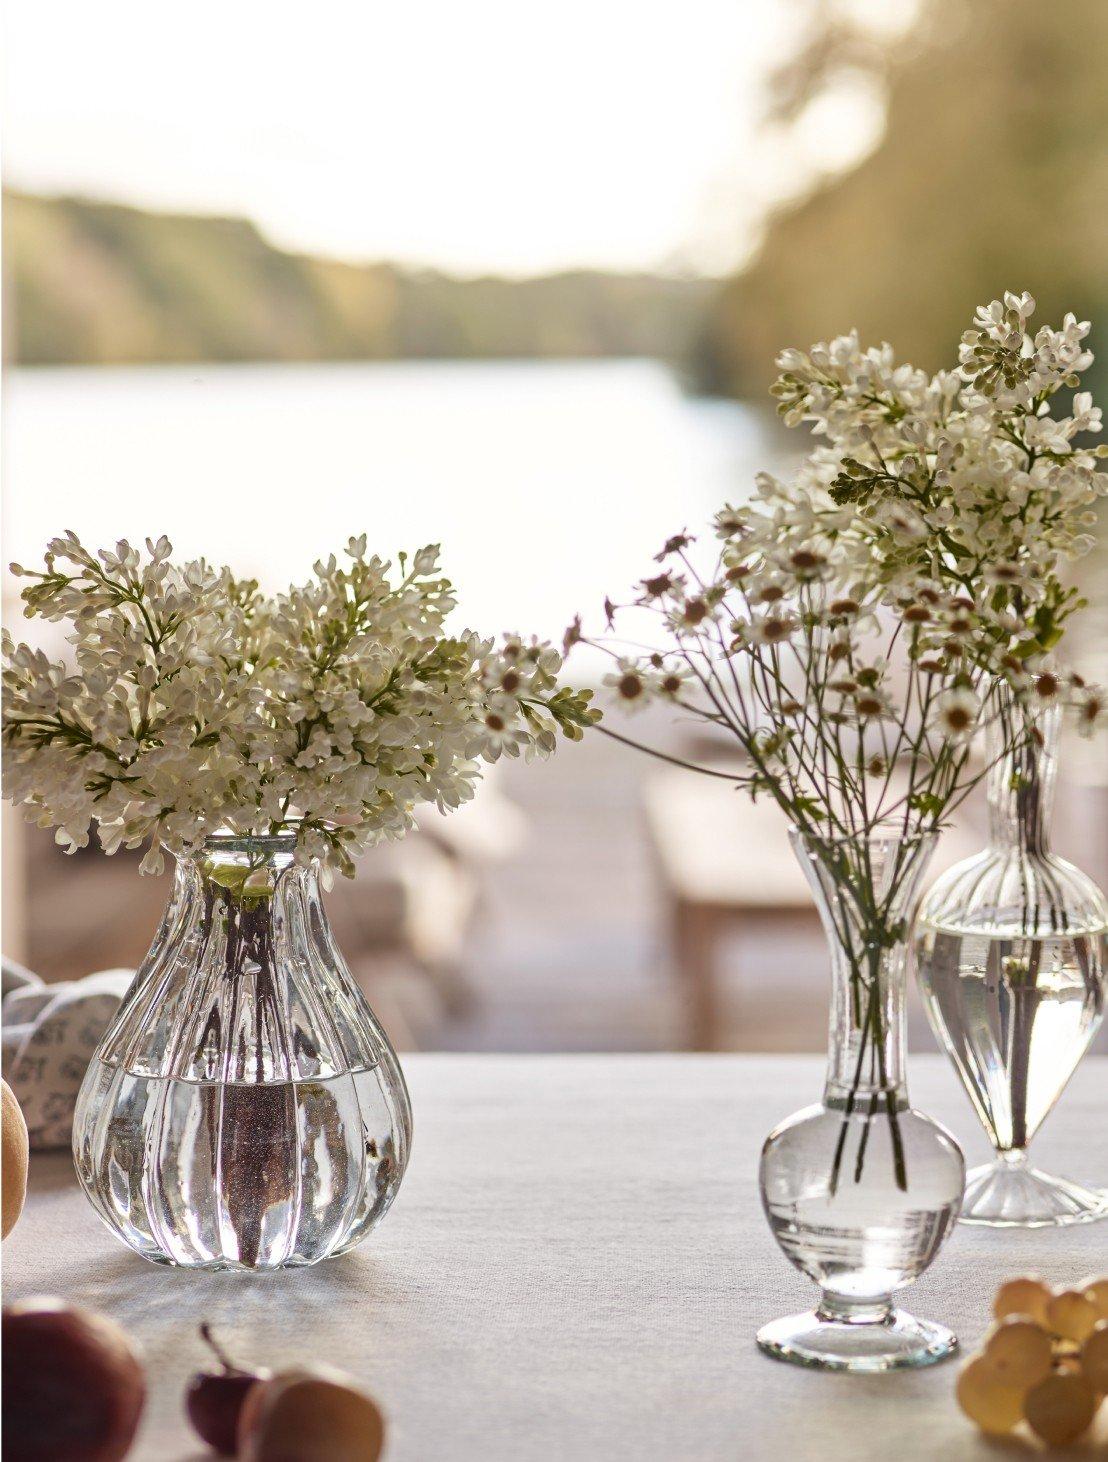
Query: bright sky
[(489, 135)]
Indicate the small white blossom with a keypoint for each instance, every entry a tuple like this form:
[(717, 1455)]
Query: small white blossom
[(958, 713), (1090, 707), (773, 628), (631, 683)]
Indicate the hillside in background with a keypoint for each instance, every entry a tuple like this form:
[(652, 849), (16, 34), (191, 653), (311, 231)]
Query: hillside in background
[(98, 283), (992, 175)]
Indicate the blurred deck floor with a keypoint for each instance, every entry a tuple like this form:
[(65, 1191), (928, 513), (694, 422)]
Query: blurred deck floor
[(572, 953)]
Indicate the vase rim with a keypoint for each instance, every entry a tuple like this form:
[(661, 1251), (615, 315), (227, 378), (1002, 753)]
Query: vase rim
[(231, 841), (891, 831)]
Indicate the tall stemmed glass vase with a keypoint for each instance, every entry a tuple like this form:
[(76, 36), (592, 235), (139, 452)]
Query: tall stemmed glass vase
[(861, 1190), (1011, 953), (245, 1110)]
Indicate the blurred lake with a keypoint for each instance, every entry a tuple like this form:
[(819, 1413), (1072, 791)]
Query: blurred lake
[(548, 484)]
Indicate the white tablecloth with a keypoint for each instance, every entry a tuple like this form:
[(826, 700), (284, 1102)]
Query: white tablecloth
[(574, 1271)]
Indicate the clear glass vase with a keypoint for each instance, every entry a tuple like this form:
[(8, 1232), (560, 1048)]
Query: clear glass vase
[(245, 1109), (1011, 955), (860, 1190)]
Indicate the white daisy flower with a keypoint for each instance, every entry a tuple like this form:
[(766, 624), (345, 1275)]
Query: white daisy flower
[(632, 685), (958, 712)]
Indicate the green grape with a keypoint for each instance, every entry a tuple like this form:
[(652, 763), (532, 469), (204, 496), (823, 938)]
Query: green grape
[(1070, 1315), (1094, 1358), (1027, 1295), (1061, 1408), (1020, 1352), (987, 1399), (1095, 1287)]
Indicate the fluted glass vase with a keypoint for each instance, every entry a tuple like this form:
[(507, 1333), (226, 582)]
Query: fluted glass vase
[(245, 1110), (1011, 956), (861, 1190)]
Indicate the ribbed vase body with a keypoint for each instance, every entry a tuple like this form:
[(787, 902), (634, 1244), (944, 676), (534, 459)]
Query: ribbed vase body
[(245, 1110)]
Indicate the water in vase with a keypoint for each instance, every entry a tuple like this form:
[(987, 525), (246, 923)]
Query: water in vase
[(1015, 1015), (860, 1240), (245, 1109), (1011, 953), (240, 1175)]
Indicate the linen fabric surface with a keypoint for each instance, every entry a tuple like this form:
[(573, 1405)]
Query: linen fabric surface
[(574, 1271)]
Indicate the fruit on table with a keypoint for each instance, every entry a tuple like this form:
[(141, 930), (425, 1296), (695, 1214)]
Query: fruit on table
[(1095, 1288), (1071, 1315), (1019, 1351), (1094, 1358), (309, 1415), (1045, 1361), (1026, 1295), (213, 1399), (73, 1386), (1061, 1408), (988, 1399), (13, 1158)]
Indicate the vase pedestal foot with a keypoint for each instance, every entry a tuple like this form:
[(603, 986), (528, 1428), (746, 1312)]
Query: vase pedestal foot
[(825, 1341), (1008, 1193)]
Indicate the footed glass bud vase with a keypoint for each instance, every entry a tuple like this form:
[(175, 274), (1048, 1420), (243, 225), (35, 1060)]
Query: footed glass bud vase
[(861, 1191), (1011, 955), (245, 1109)]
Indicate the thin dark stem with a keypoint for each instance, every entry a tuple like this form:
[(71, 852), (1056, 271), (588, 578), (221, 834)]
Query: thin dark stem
[(677, 761)]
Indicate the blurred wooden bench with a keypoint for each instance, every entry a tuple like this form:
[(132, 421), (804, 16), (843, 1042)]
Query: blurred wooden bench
[(725, 863)]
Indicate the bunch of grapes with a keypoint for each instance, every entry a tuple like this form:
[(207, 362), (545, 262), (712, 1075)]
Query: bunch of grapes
[(1045, 1361)]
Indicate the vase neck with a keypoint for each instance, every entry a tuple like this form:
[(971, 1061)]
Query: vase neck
[(866, 891), (865, 1054), (246, 870), (1020, 784)]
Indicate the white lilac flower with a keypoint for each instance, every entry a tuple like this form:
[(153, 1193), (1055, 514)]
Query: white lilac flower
[(1084, 415), (192, 703)]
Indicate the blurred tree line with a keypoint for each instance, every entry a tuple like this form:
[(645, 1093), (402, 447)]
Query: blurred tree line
[(98, 283), (992, 174)]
